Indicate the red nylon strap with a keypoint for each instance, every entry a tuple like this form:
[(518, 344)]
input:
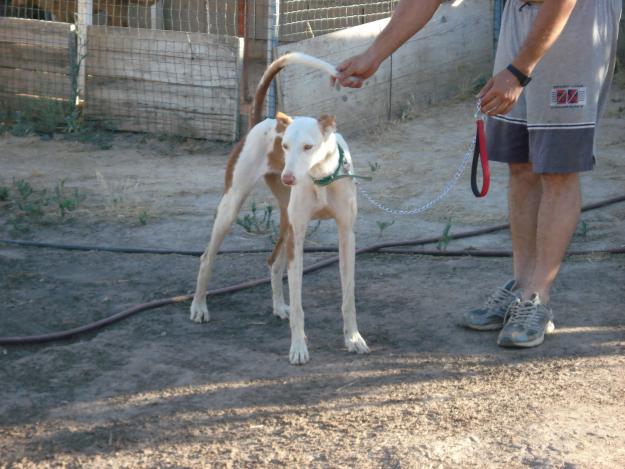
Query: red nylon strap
[(480, 154)]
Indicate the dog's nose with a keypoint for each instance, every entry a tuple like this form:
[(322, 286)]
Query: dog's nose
[(288, 179)]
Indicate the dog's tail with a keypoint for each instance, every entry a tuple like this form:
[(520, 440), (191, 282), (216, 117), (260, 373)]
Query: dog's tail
[(273, 69)]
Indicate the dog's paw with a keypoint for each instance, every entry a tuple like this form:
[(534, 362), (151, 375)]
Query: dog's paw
[(282, 311), (355, 343), (299, 352), (199, 311)]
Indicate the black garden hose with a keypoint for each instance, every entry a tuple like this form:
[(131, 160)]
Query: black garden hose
[(382, 247)]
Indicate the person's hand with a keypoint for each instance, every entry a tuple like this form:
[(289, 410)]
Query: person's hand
[(354, 71), (500, 94)]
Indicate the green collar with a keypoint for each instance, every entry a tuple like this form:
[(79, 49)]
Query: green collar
[(339, 172)]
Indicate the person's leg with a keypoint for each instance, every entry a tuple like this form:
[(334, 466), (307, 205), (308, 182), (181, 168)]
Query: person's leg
[(524, 197), (558, 213)]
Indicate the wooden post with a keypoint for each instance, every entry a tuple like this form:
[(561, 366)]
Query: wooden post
[(208, 17), (273, 24), (156, 14), (84, 19)]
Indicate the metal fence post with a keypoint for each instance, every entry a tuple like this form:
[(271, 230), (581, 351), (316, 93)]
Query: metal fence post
[(84, 19), (498, 10), (273, 24)]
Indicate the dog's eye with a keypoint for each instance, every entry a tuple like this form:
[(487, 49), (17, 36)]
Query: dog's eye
[(307, 147), (285, 146)]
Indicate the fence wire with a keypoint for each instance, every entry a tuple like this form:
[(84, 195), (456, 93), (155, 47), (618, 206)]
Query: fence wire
[(302, 19), (161, 66)]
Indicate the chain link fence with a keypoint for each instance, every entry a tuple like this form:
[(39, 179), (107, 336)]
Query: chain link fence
[(174, 67)]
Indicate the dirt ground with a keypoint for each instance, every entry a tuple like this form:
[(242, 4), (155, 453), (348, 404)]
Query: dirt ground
[(157, 390)]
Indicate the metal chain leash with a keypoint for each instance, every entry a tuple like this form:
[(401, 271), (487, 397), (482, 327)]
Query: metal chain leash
[(442, 194)]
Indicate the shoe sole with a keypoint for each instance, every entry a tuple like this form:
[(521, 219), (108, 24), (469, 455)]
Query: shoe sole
[(549, 328), (486, 327)]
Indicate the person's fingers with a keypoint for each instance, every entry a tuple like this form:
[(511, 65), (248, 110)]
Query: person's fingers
[(506, 108), (491, 106), (352, 82), (485, 89), (487, 99), (343, 65)]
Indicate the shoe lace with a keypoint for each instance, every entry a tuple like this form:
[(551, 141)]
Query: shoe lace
[(522, 313), (500, 296)]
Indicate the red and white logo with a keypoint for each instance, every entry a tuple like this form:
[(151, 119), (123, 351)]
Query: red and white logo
[(569, 96)]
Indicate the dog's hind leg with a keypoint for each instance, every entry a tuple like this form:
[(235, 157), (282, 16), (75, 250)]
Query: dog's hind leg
[(227, 211), (277, 260), (239, 183)]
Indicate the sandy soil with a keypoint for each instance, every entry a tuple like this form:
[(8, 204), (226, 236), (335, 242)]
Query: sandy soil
[(160, 391)]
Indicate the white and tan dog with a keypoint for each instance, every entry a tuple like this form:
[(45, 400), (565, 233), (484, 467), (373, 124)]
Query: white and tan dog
[(289, 154)]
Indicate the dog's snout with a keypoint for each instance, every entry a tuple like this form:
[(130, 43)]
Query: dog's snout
[(288, 179)]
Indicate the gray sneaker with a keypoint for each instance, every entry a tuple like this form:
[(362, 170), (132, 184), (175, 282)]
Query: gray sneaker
[(526, 324), (491, 315)]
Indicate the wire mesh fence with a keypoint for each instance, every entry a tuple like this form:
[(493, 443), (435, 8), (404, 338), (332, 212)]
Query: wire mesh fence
[(175, 67), (302, 19), (160, 66)]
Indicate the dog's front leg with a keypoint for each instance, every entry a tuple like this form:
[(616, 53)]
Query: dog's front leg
[(295, 253), (347, 254)]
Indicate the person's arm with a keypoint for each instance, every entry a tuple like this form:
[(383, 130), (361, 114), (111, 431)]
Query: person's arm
[(503, 90), (408, 18)]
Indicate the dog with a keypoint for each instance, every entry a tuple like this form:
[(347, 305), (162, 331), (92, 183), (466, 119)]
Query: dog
[(291, 154)]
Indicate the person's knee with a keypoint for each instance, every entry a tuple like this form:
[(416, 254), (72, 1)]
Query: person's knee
[(559, 181), (522, 172)]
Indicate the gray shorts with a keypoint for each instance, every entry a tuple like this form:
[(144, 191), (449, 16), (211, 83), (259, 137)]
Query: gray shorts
[(553, 123)]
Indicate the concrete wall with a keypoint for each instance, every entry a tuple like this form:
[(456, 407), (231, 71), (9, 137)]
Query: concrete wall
[(621, 43), (447, 58)]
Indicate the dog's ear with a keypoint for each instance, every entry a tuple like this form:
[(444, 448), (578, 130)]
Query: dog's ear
[(282, 122), (327, 124)]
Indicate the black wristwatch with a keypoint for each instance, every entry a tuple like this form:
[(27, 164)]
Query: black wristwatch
[(522, 77)]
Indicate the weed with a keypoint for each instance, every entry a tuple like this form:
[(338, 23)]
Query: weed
[(312, 230), (21, 126), (27, 205), (93, 133), (582, 230), (143, 217), (445, 238), (256, 224), (64, 201), (383, 225), (374, 166)]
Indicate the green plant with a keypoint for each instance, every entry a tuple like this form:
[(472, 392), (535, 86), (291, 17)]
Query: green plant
[(90, 132), (21, 127), (27, 205), (254, 223), (445, 238), (313, 229), (383, 225), (143, 217), (64, 201), (374, 166), (582, 230)]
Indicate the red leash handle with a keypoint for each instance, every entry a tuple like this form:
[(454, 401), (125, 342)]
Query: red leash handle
[(480, 153)]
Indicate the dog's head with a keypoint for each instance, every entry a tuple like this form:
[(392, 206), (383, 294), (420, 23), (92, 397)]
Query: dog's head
[(306, 143)]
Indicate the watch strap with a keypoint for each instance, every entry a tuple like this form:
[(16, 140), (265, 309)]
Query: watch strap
[(523, 78)]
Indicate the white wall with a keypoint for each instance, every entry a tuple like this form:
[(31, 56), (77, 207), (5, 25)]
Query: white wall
[(445, 59)]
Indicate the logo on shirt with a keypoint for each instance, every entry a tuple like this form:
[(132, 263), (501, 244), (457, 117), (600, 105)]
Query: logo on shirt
[(568, 96)]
